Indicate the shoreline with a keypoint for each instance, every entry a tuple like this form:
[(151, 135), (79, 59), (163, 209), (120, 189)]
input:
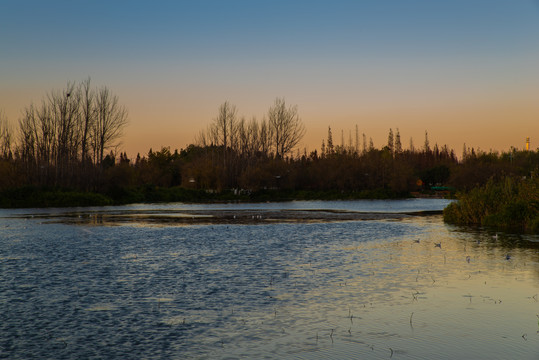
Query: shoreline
[(31, 197), (219, 217)]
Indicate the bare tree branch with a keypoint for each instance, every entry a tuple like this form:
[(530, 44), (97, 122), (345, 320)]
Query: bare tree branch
[(286, 128)]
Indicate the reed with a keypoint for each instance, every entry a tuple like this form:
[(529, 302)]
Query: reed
[(509, 203)]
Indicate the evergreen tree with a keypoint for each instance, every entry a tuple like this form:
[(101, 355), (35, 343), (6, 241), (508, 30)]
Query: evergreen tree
[(426, 147), (390, 142), (329, 146), (398, 145)]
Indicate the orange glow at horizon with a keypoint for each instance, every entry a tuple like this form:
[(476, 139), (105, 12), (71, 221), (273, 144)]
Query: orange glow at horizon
[(485, 126)]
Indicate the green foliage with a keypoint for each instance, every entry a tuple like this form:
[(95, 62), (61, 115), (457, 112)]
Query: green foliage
[(509, 203)]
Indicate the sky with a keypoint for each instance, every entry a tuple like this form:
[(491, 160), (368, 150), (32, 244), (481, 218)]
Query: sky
[(465, 71)]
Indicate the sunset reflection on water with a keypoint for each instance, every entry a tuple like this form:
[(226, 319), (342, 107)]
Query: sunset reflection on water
[(410, 287)]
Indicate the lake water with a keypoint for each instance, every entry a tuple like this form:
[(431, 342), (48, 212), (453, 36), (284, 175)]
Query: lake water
[(135, 282)]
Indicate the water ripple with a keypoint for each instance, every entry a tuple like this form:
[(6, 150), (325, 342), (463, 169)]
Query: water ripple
[(367, 289)]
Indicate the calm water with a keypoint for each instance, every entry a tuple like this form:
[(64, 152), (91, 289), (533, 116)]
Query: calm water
[(412, 288)]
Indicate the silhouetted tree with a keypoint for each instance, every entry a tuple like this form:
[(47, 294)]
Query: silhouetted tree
[(5, 136), (426, 146), (398, 144), (110, 122), (329, 147), (286, 128), (391, 142)]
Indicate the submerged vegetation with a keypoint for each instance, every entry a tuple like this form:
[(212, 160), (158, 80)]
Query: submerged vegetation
[(64, 153)]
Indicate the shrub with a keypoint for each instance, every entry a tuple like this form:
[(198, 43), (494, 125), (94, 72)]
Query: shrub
[(509, 203)]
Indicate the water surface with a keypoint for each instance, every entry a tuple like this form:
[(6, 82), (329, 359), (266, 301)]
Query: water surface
[(404, 288)]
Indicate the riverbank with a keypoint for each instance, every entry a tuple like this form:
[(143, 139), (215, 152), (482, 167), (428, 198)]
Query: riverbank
[(34, 197)]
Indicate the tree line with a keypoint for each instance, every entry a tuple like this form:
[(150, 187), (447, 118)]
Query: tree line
[(63, 140), (70, 141)]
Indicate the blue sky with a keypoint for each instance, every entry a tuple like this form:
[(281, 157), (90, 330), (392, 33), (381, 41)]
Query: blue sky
[(413, 65)]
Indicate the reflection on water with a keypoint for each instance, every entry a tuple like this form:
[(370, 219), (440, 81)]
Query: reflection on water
[(179, 214), (412, 288)]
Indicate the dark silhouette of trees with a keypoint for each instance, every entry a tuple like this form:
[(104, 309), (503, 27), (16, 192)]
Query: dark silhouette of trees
[(398, 144), (88, 113), (110, 121), (329, 148), (5, 136), (285, 127), (70, 140), (56, 137), (391, 142)]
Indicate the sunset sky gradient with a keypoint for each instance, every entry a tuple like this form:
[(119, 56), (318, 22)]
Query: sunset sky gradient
[(465, 71)]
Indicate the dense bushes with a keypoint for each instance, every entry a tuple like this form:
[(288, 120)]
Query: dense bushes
[(30, 196), (510, 203)]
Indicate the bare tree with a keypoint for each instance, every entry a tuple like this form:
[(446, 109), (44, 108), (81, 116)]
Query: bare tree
[(224, 125), (27, 143), (109, 125), (202, 138), (65, 116), (265, 137), (242, 143), (253, 136), (5, 136), (88, 115), (61, 133), (287, 129)]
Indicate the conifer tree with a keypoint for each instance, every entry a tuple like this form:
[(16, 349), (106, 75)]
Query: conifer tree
[(398, 145), (390, 142), (329, 146)]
